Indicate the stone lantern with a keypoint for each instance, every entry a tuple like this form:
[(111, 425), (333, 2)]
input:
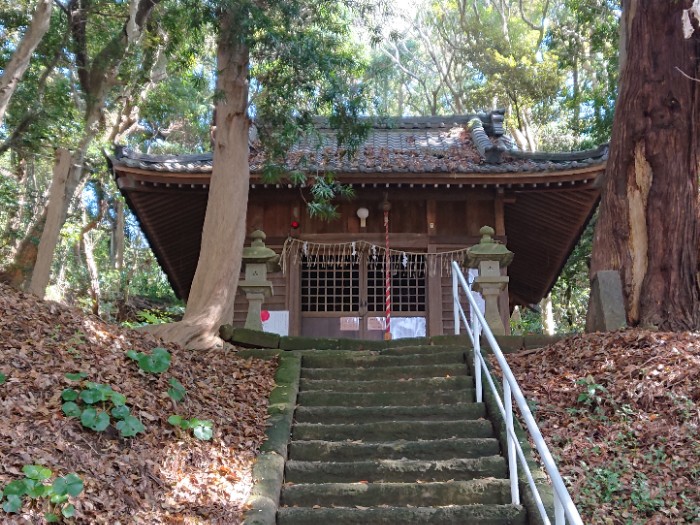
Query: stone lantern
[(257, 258), (489, 256)]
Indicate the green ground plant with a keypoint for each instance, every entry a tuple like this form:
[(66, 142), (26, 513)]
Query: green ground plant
[(157, 362), (35, 486), (176, 391), (201, 428), (97, 406)]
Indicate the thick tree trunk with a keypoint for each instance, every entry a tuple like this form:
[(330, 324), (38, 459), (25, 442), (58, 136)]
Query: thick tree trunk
[(14, 71), (55, 216), (210, 303), (18, 273), (648, 223)]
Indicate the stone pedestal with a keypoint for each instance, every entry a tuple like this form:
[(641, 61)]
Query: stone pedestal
[(490, 290), (255, 285), (489, 256)]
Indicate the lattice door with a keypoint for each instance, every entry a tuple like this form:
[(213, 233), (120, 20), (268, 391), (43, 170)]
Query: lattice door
[(330, 283), (408, 292)]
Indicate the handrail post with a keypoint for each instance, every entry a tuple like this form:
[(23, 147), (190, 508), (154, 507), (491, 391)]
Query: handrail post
[(455, 302), (559, 515), (510, 431), (478, 365)]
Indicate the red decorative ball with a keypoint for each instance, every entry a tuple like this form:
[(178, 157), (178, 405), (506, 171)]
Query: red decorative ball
[(295, 225)]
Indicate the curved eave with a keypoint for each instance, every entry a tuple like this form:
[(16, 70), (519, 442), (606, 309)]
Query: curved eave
[(132, 178)]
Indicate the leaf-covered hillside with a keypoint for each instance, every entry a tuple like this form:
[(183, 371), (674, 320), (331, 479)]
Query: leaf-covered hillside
[(163, 474), (621, 412)]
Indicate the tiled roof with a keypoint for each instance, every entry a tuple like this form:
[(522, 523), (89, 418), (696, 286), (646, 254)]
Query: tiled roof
[(408, 145)]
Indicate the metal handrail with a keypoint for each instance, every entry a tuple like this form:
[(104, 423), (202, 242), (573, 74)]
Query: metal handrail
[(564, 508)]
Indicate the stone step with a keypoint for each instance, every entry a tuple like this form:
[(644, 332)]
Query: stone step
[(395, 470), (318, 360), (396, 385), (413, 350), (319, 450), (363, 399), (336, 414), (451, 515), (484, 491), (388, 372), (393, 430)]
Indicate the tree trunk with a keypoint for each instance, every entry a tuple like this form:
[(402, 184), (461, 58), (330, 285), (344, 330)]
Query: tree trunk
[(647, 227), (210, 303), (119, 236), (14, 71), (548, 324), (55, 216), (18, 273), (87, 245)]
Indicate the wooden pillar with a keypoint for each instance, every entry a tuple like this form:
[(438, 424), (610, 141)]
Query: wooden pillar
[(435, 313), (499, 213), (294, 294), (434, 282)]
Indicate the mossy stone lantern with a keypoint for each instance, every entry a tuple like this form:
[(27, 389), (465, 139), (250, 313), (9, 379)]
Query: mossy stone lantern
[(256, 259), (489, 256)]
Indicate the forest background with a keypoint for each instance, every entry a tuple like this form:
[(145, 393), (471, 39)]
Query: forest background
[(553, 64)]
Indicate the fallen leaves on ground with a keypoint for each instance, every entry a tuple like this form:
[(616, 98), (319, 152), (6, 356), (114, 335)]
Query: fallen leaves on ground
[(621, 412), (164, 475)]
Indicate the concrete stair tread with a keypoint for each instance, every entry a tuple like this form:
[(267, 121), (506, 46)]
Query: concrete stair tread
[(336, 414), (443, 515), (419, 350), (388, 470), (320, 450), (387, 372), (387, 385), (393, 430), (404, 398), (377, 360), (482, 491)]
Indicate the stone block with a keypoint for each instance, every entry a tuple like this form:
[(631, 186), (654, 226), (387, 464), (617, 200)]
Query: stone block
[(250, 338), (606, 307)]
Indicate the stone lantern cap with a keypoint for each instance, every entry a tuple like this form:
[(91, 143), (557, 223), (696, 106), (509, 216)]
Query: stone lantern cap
[(257, 252), (488, 249)]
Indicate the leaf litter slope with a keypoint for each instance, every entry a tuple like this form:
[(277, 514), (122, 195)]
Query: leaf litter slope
[(621, 411), (164, 475)]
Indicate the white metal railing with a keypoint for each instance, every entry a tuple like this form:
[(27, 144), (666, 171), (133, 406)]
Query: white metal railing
[(564, 508)]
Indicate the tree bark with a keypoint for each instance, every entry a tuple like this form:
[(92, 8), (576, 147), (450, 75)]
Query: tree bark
[(210, 303), (119, 236), (14, 71), (648, 224), (87, 246), (55, 217)]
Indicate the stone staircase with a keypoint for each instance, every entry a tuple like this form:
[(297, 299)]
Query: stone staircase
[(393, 437)]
